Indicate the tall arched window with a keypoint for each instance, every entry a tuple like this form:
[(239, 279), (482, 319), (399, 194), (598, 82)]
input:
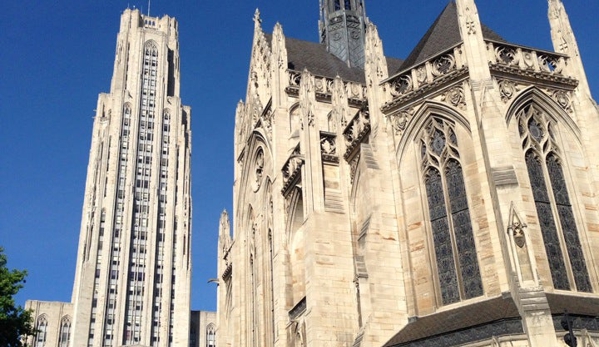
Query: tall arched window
[(347, 4), (65, 332), (42, 329), (210, 336), (455, 251), (552, 200)]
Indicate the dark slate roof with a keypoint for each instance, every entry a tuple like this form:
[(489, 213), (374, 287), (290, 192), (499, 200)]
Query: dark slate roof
[(441, 36), (444, 323), (315, 58)]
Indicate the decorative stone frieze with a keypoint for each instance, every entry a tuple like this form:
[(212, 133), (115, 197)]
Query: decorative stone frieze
[(356, 131), (424, 78), (328, 147), (292, 170)]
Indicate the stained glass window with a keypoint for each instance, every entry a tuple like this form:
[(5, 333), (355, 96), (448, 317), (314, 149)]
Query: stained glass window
[(453, 239), (552, 201)]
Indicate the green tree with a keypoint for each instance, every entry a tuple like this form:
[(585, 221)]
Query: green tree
[(14, 320)]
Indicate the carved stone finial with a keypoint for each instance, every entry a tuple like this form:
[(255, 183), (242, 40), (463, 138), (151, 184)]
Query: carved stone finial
[(257, 19)]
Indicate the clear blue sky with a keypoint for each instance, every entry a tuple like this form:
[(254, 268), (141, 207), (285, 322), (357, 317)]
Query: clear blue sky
[(56, 57)]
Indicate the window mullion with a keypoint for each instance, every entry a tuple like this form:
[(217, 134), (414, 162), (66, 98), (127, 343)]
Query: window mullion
[(454, 245)]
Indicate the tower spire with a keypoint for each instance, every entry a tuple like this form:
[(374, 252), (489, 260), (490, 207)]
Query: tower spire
[(343, 29), (564, 41)]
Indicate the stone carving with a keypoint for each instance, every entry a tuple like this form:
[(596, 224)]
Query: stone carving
[(455, 97), (400, 120), (353, 167), (357, 130), (258, 169), (358, 125), (562, 98), (291, 171), (430, 74), (328, 147), (517, 230), (507, 90), (525, 59)]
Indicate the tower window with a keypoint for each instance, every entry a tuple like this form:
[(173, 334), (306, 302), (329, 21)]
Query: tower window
[(455, 251), (42, 330)]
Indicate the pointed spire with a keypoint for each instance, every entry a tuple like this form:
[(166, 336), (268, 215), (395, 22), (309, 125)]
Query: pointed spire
[(474, 43), (342, 28), (257, 20), (564, 41)]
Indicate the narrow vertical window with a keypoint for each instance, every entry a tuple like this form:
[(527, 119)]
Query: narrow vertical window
[(552, 201), (42, 330), (65, 333), (337, 5), (347, 4), (455, 251), (210, 336)]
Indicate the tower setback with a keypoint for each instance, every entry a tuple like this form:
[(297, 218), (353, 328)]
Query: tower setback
[(133, 273)]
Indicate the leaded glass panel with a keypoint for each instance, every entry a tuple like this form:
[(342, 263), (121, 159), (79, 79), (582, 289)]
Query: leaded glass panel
[(453, 239), (442, 239), (568, 224), (462, 227), (552, 200), (546, 220)]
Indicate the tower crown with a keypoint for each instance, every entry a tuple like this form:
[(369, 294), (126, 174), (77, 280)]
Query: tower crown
[(343, 28)]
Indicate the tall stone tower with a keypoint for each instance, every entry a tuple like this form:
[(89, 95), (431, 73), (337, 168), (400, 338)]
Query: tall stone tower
[(132, 283), (342, 29), (448, 199)]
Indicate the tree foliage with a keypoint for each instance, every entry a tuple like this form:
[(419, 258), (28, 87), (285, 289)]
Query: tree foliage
[(14, 320)]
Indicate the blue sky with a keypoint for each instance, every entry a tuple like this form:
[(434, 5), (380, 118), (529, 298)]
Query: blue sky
[(58, 55)]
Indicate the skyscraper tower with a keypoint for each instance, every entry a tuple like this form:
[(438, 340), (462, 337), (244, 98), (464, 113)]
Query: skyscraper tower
[(132, 283)]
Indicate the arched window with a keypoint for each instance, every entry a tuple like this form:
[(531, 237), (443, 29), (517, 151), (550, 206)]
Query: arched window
[(65, 332), (42, 329), (347, 4), (552, 200), (210, 336), (455, 252)]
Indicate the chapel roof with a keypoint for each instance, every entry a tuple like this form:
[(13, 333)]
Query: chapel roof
[(443, 34), (315, 58)]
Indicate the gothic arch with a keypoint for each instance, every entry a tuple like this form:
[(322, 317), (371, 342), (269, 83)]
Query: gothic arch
[(64, 336), (543, 131), (542, 100), (41, 326), (422, 115), (255, 172), (436, 202), (151, 44)]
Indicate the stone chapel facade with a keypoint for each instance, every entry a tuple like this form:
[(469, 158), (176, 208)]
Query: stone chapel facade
[(446, 199)]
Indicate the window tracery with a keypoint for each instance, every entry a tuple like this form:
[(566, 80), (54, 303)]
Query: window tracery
[(42, 329), (65, 332), (552, 201), (453, 239)]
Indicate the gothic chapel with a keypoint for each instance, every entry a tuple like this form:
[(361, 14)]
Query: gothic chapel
[(448, 199)]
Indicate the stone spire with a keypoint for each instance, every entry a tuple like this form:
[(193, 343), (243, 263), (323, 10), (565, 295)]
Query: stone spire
[(564, 41), (342, 28)]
